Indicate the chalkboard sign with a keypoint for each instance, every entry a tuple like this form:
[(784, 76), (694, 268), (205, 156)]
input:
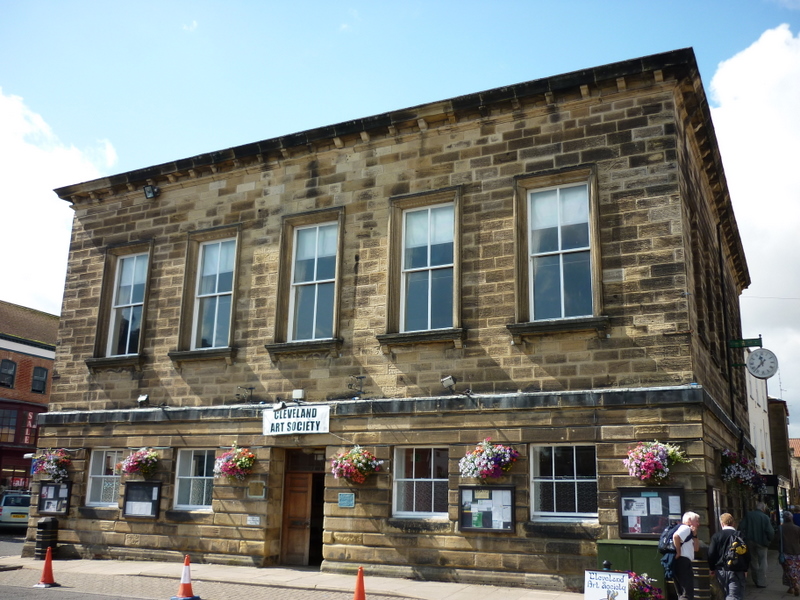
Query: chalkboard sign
[(486, 508), (54, 498), (142, 499), (644, 512)]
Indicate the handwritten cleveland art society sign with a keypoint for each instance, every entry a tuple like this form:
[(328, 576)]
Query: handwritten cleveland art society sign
[(297, 420), (605, 585)]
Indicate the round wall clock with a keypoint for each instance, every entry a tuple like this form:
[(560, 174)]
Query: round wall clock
[(762, 363)]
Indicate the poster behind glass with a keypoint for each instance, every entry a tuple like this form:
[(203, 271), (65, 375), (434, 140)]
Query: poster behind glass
[(645, 512)]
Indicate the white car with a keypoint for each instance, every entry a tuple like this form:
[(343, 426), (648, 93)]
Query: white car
[(15, 509)]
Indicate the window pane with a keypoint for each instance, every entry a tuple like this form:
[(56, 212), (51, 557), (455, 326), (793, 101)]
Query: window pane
[(305, 254), (574, 217), (442, 228), (416, 301), (223, 321), (324, 321), (545, 462), (207, 313), (587, 496), (544, 496), (423, 496), (440, 496), (416, 240), (408, 463), (564, 461), (441, 298), (577, 285), (585, 462), (546, 288), (135, 328), (225, 280), (139, 274), (209, 269), (405, 496), (422, 463), (544, 221), (565, 496), (326, 264), (440, 463), (303, 317), (125, 280)]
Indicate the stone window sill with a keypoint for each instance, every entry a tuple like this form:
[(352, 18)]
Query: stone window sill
[(520, 331), (181, 356), (108, 363), (305, 349), (453, 337)]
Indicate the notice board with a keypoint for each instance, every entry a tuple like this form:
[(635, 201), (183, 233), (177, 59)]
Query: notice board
[(486, 508), (644, 512)]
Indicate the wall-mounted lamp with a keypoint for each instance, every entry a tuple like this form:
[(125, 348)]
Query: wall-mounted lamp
[(449, 382), (151, 192), (298, 395), (143, 400)]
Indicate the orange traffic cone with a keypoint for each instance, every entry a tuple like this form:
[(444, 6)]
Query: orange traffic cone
[(185, 588), (359, 593), (47, 572)]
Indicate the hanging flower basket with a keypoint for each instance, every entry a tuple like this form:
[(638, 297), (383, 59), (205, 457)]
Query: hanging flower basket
[(236, 463), (355, 464), (53, 463), (651, 462), (487, 461), (640, 587), (143, 462), (740, 473)]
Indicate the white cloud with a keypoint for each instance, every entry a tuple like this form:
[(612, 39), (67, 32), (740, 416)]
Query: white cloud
[(757, 121), (35, 225), (191, 26)]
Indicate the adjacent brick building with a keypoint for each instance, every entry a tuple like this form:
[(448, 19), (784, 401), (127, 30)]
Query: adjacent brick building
[(27, 350), (564, 248)]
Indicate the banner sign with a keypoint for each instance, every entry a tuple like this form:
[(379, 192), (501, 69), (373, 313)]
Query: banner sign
[(296, 420)]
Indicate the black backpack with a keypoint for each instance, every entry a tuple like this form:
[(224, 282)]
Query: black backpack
[(737, 556), (665, 543)]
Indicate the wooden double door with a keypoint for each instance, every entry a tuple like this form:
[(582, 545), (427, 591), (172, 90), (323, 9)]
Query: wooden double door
[(303, 511)]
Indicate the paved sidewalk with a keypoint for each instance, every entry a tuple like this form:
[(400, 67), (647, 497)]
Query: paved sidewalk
[(144, 579), (104, 572)]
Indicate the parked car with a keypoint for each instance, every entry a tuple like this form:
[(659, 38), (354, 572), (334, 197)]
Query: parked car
[(15, 509)]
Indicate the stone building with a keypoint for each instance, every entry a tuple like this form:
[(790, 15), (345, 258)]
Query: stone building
[(554, 265)]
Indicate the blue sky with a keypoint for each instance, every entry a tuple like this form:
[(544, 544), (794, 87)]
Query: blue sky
[(93, 88)]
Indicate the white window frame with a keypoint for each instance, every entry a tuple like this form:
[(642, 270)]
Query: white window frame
[(184, 476), (100, 459), (399, 479), (118, 306), (407, 272), (535, 480), (199, 297), (314, 281), (560, 252)]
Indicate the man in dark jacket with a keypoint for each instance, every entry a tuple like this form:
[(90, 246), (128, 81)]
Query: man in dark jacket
[(731, 582), (757, 531)]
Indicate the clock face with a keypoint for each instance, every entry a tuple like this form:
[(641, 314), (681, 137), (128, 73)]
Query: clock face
[(762, 363)]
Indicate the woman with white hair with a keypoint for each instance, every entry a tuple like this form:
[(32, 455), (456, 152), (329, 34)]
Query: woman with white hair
[(790, 534)]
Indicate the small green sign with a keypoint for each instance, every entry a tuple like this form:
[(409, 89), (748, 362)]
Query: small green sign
[(744, 343)]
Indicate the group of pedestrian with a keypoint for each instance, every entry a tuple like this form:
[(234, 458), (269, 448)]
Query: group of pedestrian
[(757, 531)]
